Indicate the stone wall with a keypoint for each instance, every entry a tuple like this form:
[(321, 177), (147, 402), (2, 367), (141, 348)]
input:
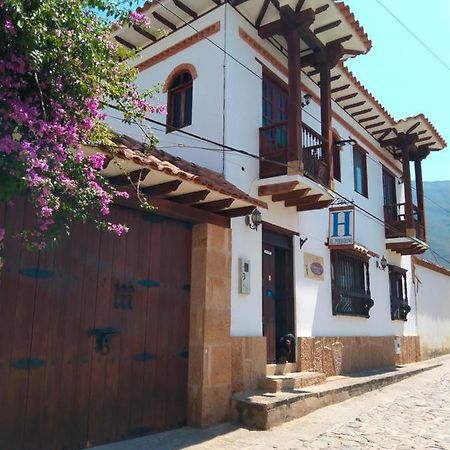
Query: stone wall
[(248, 362), (209, 382), (410, 350), (339, 355)]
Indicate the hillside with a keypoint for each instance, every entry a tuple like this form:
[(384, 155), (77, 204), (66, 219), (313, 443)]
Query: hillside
[(437, 207)]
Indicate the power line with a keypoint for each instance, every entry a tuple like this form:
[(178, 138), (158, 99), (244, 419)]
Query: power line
[(414, 35)]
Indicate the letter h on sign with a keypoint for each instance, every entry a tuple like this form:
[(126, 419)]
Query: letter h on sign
[(341, 226)]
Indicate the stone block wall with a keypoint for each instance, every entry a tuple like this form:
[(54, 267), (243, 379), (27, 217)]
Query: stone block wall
[(248, 362), (341, 355)]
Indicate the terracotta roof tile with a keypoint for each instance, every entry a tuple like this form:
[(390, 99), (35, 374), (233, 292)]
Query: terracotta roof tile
[(161, 161)]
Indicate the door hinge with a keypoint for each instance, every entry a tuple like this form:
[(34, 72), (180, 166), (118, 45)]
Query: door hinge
[(28, 363)]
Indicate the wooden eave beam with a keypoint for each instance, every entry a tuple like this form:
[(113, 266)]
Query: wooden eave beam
[(162, 189), (237, 212), (131, 177), (298, 194), (309, 200), (236, 3), (191, 197), (164, 21), (333, 78), (383, 130), (180, 5), (299, 5), (215, 205), (262, 13), (144, 33), (277, 188), (362, 111), (124, 42), (385, 134), (321, 9), (319, 205), (412, 128), (355, 105), (374, 125), (328, 26), (339, 88), (369, 119), (340, 40), (347, 97)]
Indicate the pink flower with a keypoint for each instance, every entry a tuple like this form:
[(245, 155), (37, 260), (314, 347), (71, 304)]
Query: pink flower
[(139, 19), (58, 33), (9, 26), (97, 160)]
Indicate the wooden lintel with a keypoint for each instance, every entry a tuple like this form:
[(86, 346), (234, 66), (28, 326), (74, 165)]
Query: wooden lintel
[(318, 205), (355, 105), (277, 188), (162, 188), (237, 212), (327, 26), (309, 200), (191, 197), (131, 177), (216, 205), (262, 13), (164, 21), (298, 194), (369, 119), (361, 112), (124, 42), (340, 88), (144, 33), (185, 8), (347, 97)]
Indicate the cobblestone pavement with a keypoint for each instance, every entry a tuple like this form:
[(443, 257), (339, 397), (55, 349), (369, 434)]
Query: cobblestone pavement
[(411, 414)]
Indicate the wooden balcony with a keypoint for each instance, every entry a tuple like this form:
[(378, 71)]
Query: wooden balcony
[(276, 154), (395, 229)]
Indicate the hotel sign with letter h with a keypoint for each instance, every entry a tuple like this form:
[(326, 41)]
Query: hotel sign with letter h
[(341, 226)]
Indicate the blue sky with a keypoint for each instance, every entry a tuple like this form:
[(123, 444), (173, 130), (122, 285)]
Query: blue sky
[(401, 73)]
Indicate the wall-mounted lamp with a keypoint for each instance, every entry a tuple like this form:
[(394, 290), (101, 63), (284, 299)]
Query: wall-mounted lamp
[(382, 263), (343, 142), (253, 220), (306, 100), (400, 180)]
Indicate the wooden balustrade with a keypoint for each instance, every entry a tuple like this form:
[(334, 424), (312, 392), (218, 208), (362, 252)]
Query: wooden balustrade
[(394, 217)]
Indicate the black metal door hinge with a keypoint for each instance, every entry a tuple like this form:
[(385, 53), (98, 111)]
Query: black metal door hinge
[(28, 363)]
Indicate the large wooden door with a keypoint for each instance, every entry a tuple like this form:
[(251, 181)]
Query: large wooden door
[(61, 385), (277, 291)]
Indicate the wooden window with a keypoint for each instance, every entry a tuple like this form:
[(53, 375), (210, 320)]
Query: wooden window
[(179, 102), (336, 160), (360, 171), (398, 293), (350, 284), (389, 195)]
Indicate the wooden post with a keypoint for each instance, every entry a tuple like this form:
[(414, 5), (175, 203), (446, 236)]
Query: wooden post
[(294, 109), (325, 106), (420, 197), (409, 212)]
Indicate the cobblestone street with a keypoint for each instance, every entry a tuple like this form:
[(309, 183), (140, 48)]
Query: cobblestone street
[(411, 414)]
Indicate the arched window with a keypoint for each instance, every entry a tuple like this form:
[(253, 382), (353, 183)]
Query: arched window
[(179, 101)]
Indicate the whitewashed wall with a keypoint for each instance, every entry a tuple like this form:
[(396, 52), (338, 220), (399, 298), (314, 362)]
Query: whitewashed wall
[(432, 298)]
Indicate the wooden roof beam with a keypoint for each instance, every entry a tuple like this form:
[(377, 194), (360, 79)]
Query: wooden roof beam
[(132, 177), (339, 88), (321, 9), (162, 189), (144, 33), (362, 111), (328, 26), (191, 197), (237, 212), (262, 13), (412, 128), (299, 5), (347, 97), (185, 8), (333, 78), (355, 105), (277, 188), (318, 205), (340, 40), (215, 205), (164, 21), (124, 42), (309, 200), (374, 125), (385, 134), (383, 130), (298, 194), (369, 119)]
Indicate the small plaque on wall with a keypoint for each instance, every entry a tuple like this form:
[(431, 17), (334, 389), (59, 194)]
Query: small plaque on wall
[(314, 267)]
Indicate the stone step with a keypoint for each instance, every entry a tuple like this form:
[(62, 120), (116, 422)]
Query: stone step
[(291, 381), (280, 369)]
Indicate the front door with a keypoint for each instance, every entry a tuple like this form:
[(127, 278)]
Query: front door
[(277, 292)]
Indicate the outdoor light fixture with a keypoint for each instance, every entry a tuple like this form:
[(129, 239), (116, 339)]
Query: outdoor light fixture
[(343, 142), (382, 263), (253, 220), (306, 100)]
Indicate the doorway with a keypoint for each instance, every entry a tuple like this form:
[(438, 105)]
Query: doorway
[(277, 292)]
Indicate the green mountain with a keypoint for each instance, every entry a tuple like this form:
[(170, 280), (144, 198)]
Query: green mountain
[(437, 211)]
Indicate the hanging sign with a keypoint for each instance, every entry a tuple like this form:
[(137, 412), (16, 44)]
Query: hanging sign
[(341, 226)]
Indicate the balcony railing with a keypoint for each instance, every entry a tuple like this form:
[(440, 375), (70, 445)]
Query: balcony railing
[(394, 217), (276, 154)]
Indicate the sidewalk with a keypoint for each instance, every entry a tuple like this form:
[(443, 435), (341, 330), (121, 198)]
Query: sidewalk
[(224, 435)]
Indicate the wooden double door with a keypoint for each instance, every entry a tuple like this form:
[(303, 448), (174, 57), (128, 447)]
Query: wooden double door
[(94, 335), (277, 294)]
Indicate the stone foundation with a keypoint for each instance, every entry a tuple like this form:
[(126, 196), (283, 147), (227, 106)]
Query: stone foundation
[(248, 362), (410, 350), (339, 355)]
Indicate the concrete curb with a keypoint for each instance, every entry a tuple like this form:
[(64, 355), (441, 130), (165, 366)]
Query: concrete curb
[(265, 410)]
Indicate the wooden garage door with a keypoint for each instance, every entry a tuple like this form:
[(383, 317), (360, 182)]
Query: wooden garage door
[(57, 390)]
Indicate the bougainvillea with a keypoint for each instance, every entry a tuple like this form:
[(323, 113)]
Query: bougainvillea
[(58, 67)]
